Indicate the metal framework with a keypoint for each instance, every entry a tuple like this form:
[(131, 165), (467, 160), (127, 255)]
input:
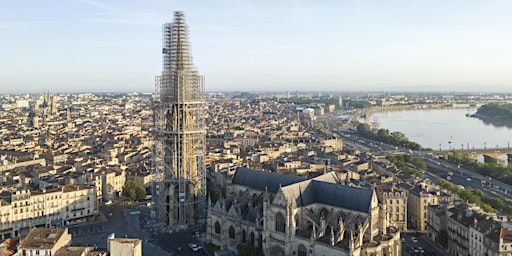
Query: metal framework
[(179, 151)]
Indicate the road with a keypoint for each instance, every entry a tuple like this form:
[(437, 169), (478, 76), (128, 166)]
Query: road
[(438, 168), (421, 242)]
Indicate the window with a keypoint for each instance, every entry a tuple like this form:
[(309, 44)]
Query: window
[(217, 227), (252, 239), (280, 223), (303, 251), (231, 232), (244, 236)]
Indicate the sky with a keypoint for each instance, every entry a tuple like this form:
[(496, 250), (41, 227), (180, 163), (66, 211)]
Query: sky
[(259, 45)]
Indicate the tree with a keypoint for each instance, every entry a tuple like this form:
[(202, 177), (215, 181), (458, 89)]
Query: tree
[(140, 193), (133, 191)]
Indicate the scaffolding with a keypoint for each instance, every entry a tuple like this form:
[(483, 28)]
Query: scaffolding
[(179, 150)]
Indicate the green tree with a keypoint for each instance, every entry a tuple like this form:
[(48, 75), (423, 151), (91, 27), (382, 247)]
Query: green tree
[(140, 193), (133, 191)]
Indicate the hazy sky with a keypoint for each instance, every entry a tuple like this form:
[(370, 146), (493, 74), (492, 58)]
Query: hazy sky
[(107, 45)]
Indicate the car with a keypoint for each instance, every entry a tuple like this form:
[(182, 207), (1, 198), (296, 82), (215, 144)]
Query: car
[(194, 247), (108, 202), (468, 179), (421, 249), (403, 240), (414, 240), (411, 250)]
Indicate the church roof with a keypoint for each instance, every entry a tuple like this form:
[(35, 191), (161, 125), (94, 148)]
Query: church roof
[(353, 198), (260, 180), (334, 194)]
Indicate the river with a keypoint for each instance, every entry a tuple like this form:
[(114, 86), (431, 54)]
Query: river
[(444, 128)]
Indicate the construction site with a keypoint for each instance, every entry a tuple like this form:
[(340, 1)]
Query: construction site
[(179, 148)]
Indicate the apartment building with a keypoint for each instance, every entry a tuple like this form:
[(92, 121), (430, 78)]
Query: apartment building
[(57, 207), (395, 201), (44, 241), (419, 198)]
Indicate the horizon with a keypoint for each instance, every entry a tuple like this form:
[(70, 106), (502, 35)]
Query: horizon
[(87, 45)]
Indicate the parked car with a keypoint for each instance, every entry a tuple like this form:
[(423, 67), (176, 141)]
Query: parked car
[(194, 247), (414, 240), (421, 249)]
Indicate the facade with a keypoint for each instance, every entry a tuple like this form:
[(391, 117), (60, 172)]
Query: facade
[(180, 148), (44, 241), (419, 198), (112, 182), (59, 207), (124, 246), (289, 215), (436, 221), (475, 233), (395, 201)]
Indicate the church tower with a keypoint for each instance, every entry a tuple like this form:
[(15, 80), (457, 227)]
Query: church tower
[(179, 162)]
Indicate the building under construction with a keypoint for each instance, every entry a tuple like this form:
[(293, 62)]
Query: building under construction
[(179, 151)]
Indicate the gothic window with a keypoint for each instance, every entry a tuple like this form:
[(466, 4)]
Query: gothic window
[(244, 236), (217, 227), (280, 223), (252, 239), (231, 232), (303, 251)]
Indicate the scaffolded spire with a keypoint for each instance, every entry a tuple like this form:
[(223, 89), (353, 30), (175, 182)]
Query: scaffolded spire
[(180, 130)]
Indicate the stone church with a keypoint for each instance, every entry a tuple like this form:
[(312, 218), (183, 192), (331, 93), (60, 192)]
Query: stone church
[(288, 215)]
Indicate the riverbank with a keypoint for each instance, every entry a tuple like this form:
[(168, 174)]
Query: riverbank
[(444, 128), (496, 114), (379, 109)]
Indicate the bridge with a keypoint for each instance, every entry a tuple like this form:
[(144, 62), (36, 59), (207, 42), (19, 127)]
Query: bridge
[(487, 153)]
